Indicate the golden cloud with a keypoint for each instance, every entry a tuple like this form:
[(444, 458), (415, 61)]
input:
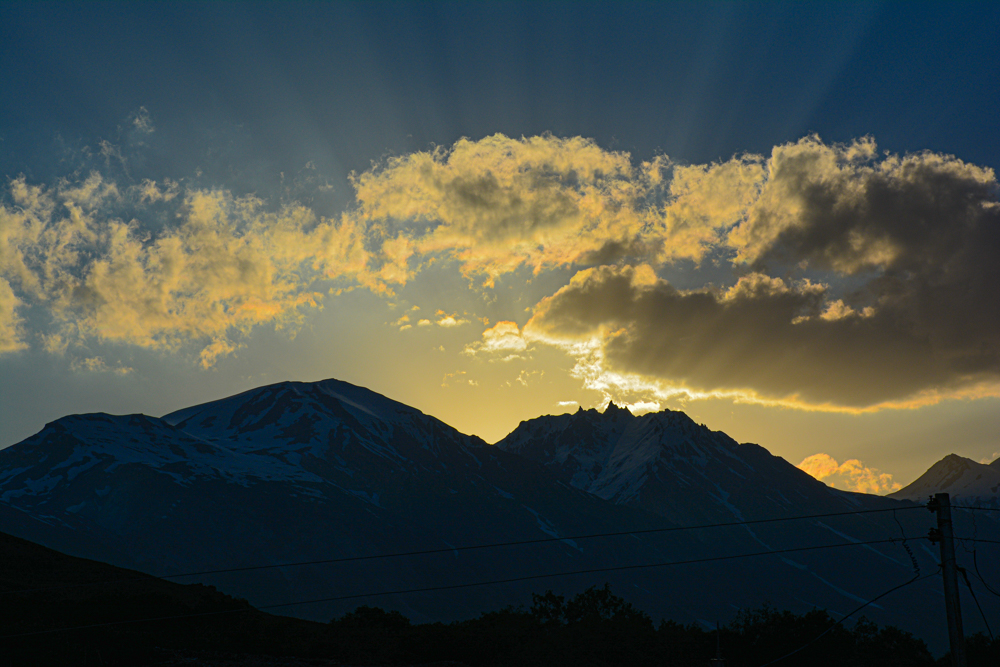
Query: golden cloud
[(917, 236), (98, 365), (225, 267), (498, 204), (502, 338), (763, 339), (11, 334), (851, 475)]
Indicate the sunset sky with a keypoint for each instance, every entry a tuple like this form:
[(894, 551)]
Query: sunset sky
[(783, 219)]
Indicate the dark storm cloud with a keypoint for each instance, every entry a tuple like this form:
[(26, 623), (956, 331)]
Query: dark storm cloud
[(922, 235)]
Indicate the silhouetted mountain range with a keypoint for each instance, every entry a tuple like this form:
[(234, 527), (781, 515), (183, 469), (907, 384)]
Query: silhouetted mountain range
[(302, 472)]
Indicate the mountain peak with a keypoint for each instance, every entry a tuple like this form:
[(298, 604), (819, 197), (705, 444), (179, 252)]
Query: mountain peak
[(957, 475), (616, 411)]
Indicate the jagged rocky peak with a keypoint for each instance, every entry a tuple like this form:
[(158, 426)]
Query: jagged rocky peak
[(617, 411)]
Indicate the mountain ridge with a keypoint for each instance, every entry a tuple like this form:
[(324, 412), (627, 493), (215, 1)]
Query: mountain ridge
[(295, 472)]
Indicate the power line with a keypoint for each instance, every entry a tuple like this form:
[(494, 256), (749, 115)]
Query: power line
[(540, 540), (975, 560), (492, 582), (426, 552), (978, 539), (976, 600), (839, 622), (975, 563), (909, 551)]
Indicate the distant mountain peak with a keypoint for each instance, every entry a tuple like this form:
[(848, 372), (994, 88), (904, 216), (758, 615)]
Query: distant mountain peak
[(617, 411), (956, 475)]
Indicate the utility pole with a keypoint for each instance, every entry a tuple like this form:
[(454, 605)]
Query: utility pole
[(717, 661), (941, 504)]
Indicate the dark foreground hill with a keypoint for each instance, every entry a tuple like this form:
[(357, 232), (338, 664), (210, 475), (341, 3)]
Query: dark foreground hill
[(60, 610)]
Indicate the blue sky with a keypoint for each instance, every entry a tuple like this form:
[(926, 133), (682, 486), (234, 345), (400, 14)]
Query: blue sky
[(279, 103)]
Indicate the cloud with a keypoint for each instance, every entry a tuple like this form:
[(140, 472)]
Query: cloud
[(141, 122), (502, 338), (642, 407), (901, 308), (227, 265), (449, 321), (11, 333), (763, 337), (839, 207), (448, 377), (859, 280), (98, 365), (851, 475), (498, 204)]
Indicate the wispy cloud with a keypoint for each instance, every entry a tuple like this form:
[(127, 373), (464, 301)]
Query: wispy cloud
[(503, 338), (227, 265), (98, 365), (449, 321), (11, 333)]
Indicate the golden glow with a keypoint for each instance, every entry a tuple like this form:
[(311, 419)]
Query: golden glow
[(851, 475)]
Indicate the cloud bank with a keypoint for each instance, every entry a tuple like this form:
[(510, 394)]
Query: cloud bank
[(225, 266), (851, 475), (867, 282), (859, 280)]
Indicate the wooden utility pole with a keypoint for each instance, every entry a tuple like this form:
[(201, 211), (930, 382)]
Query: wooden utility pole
[(717, 661), (941, 505)]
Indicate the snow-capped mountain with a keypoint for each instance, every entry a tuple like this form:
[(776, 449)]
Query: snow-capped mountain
[(665, 463), (965, 480), (297, 472)]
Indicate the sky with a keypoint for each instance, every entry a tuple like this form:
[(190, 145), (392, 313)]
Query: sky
[(780, 218)]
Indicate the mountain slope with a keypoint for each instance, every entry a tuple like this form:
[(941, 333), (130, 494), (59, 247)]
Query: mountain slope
[(44, 590), (667, 464), (964, 479)]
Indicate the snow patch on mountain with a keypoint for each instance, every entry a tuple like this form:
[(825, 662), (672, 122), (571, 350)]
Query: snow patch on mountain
[(963, 479)]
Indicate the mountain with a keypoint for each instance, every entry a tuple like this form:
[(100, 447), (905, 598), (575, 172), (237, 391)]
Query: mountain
[(665, 463), (965, 480), (298, 472), (304, 472)]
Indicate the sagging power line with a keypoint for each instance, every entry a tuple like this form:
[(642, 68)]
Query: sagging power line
[(492, 582), (473, 547)]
